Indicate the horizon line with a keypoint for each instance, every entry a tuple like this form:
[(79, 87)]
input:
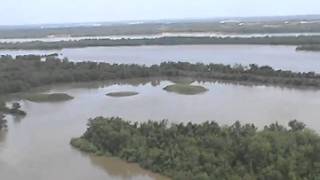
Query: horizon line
[(146, 21)]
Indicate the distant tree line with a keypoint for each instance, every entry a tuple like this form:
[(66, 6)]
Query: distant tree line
[(300, 40), (25, 72), (208, 151), (256, 26)]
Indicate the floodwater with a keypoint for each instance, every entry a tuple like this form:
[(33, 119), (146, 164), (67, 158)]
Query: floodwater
[(278, 57), (37, 146)]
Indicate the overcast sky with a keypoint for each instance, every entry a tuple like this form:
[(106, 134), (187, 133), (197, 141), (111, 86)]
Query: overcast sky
[(63, 11)]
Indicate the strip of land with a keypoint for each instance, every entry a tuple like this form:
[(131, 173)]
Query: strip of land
[(25, 72), (41, 45)]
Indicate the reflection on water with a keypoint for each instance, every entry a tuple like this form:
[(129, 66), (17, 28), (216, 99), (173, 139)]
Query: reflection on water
[(38, 147), (3, 134), (279, 57), (119, 168)]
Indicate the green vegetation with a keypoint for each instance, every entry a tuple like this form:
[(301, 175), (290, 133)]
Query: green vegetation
[(300, 40), (55, 97), (185, 89), (122, 94), (208, 150), (314, 47), (25, 72), (84, 145)]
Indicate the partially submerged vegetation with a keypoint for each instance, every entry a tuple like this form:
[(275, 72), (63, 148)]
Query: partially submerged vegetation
[(3, 121), (186, 89), (15, 109), (54, 97), (122, 94), (313, 47), (25, 72), (300, 40), (208, 150)]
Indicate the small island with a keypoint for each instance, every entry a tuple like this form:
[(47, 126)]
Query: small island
[(122, 94), (185, 89), (55, 97)]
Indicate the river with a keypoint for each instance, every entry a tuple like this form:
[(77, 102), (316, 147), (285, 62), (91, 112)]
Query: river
[(278, 57), (37, 146)]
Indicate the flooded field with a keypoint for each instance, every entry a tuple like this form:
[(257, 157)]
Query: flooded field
[(37, 146)]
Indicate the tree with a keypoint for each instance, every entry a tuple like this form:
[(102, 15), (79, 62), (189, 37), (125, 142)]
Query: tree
[(16, 106), (208, 151), (296, 125)]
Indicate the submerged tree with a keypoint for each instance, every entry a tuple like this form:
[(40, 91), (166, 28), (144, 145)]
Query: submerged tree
[(16, 106), (3, 122)]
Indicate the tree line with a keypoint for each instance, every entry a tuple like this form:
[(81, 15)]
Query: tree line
[(208, 150), (299, 40), (25, 72)]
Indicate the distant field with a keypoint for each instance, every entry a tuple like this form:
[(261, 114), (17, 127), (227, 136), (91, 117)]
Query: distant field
[(238, 26)]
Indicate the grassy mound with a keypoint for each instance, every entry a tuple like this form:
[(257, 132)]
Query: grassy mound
[(122, 94), (185, 89), (55, 97)]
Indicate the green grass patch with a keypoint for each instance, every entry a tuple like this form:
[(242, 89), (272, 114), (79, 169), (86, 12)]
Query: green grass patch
[(55, 97), (122, 94), (185, 89)]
